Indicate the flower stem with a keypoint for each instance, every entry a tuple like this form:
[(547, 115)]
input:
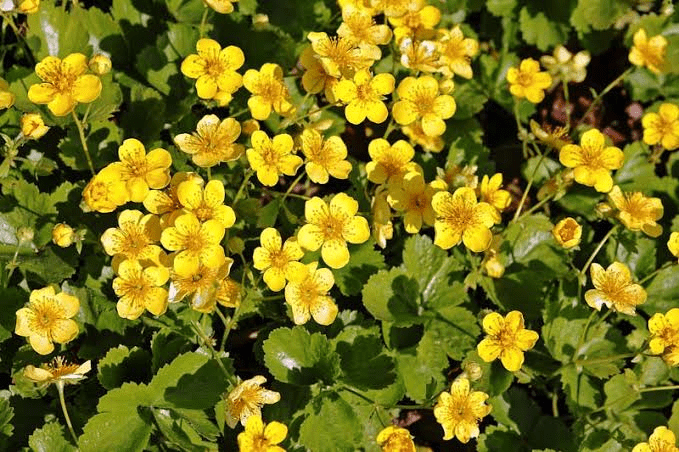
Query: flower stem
[(243, 184), (228, 325), (208, 342), (83, 141), (568, 104), (292, 186), (520, 129), (596, 251), (605, 91), (62, 400), (655, 272), (537, 206), (203, 20), (606, 359), (660, 388), (528, 187)]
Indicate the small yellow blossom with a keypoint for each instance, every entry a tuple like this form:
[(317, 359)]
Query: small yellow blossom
[(58, 372), (213, 142), (460, 410), (364, 96), (277, 259), (268, 92), (47, 319), (456, 52), (492, 265), (673, 244), (490, 191), (390, 8), (221, 6), (614, 288), (395, 439), (413, 198), (316, 78), (272, 157), (564, 66), (460, 218), (32, 126), (638, 212), (229, 293), (359, 26), (389, 162), (197, 243), (140, 289), (554, 137), (141, 171), (65, 84), (567, 232), (246, 400), (382, 227), (215, 70), (307, 294), (417, 23), (664, 338), (662, 440), (506, 339), (648, 52), (324, 157), (206, 203), (331, 227), (203, 286), (6, 97), (420, 99), (63, 235), (527, 81), (100, 64), (417, 136), (166, 202), (260, 438), (592, 161), (106, 191), (420, 56), (662, 127), (340, 57), (134, 238), (29, 6)]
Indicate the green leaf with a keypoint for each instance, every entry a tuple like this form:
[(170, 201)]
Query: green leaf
[(495, 379), (52, 31), (364, 362), (6, 415), (597, 14), (621, 391), (50, 266), (13, 299), (581, 390), (501, 7), (331, 425), (662, 292), (121, 365), (364, 262), (421, 367), (469, 98), (639, 257), (50, 438), (292, 355), (178, 432), (637, 173), (456, 330), (392, 296), (540, 30)]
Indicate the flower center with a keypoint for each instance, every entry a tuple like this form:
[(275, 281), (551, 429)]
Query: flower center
[(423, 100), (46, 312), (332, 227)]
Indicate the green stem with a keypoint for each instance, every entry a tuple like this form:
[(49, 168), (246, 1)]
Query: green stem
[(209, 173), (580, 362), (520, 129), (528, 187), (292, 186), (62, 400), (660, 388), (390, 127), (288, 122), (10, 20), (207, 341), (203, 20), (243, 184), (83, 141), (568, 104), (599, 96), (228, 326), (596, 251), (537, 206), (225, 322), (240, 112), (581, 341), (655, 272)]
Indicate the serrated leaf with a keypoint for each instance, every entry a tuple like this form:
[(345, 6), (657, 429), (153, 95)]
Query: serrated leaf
[(115, 431), (292, 355), (52, 31), (540, 30), (392, 296), (455, 329), (50, 438), (331, 425), (6, 415), (621, 391), (121, 365), (421, 368), (364, 362), (469, 97), (662, 292)]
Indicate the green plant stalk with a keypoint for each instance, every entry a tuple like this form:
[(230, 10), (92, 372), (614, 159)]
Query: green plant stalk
[(292, 186), (537, 206), (660, 388), (596, 251), (519, 129), (243, 184), (605, 91), (215, 356), (83, 141), (529, 186), (568, 104), (655, 272), (203, 20), (62, 400)]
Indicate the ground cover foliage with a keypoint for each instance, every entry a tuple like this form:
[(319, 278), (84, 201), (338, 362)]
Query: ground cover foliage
[(373, 225)]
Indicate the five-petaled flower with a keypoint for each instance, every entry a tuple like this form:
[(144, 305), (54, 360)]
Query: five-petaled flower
[(272, 157), (140, 289), (648, 52), (638, 212), (331, 227), (614, 288), (258, 437), (106, 191), (134, 238), (58, 371), (421, 100), (276, 259), (340, 57), (506, 339), (206, 203), (460, 410), (395, 439), (661, 440), (307, 294), (390, 162), (527, 81), (324, 157), (664, 336), (246, 400), (359, 26), (215, 70), (413, 198), (204, 286), (592, 161), (662, 127), (268, 92), (364, 95), (456, 53), (491, 191), (213, 142)]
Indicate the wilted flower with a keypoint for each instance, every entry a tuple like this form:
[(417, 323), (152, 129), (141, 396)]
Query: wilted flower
[(58, 372), (564, 66), (247, 399), (614, 288)]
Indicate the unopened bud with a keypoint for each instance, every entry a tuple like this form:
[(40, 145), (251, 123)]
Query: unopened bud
[(29, 6), (236, 245), (493, 267), (473, 370), (25, 234), (260, 22), (63, 235), (100, 64), (32, 126), (249, 126)]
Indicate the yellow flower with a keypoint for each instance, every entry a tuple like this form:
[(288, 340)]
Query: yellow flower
[(307, 294), (673, 244), (134, 238), (100, 64), (331, 227), (65, 84), (29, 6), (260, 438), (662, 440), (166, 202), (140, 289), (324, 157), (215, 70), (491, 192), (420, 56), (413, 197), (567, 232), (277, 259), (141, 171), (6, 97), (662, 127), (564, 66), (664, 338), (316, 78), (389, 162), (221, 6), (390, 8), (197, 243), (648, 52), (359, 26), (417, 23), (63, 235), (47, 319), (270, 158), (417, 136), (58, 372), (614, 288), (268, 92), (229, 293), (247, 399), (637, 212), (527, 81), (340, 57), (206, 204), (460, 410), (204, 286), (106, 191), (382, 227), (420, 99), (456, 52), (507, 339), (554, 137), (32, 126), (213, 142), (364, 96), (592, 161), (395, 439), (460, 218)]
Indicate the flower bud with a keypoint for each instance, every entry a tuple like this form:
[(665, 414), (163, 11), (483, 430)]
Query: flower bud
[(100, 64), (567, 232), (473, 370), (29, 6), (236, 245), (260, 22), (32, 126), (249, 126), (63, 235), (446, 86), (604, 210), (25, 234), (493, 267), (6, 97)]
